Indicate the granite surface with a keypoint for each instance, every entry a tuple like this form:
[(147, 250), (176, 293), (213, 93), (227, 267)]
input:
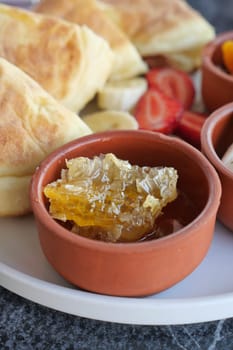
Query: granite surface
[(28, 326), (25, 325)]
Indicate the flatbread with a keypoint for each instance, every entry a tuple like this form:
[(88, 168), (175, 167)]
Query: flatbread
[(169, 28), (71, 62), (128, 62), (32, 125)]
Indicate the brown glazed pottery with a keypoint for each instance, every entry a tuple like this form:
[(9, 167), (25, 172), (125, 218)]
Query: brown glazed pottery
[(139, 268), (216, 137), (217, 84)]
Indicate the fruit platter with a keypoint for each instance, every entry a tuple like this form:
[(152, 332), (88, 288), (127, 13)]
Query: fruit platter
[(111, 198)]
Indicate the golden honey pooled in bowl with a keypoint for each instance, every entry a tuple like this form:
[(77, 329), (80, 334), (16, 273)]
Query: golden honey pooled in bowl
[(109, 199)]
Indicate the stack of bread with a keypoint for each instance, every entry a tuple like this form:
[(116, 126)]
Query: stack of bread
[(61, 55), (48, 69), (32, 124), (160, 30), (168, 29)]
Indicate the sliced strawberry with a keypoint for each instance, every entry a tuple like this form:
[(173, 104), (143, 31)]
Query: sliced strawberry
[(174, 83), (158, 112), (189, 127)]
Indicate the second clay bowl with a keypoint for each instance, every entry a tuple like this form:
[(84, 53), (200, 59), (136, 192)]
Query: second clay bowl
[(216, 138)]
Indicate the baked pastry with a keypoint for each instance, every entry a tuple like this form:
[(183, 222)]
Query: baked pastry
[(128, 62), (32, 124), (168, 28), (71, 62)]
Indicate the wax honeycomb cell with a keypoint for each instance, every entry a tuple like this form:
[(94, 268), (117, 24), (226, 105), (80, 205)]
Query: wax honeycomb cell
[(109, 199)]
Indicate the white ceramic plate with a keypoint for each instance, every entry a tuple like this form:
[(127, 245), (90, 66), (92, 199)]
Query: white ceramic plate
[(205, 295)]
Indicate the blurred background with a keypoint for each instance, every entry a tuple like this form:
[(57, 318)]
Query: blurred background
[(215, 11)]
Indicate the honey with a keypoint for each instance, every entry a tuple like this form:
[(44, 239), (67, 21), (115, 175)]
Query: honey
[(109, 199)]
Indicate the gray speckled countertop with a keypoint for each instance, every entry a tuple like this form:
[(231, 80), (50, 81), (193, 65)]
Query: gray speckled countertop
[(25, 325), (28, 326)]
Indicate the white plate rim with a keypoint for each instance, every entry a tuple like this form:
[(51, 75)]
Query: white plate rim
[(140, 311)]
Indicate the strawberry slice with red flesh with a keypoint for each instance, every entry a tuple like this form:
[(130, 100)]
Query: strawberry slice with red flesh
[(157, 112), (174, 83), (189, 127)]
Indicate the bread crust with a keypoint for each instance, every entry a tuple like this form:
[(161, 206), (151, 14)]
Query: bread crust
[(32, 125), (127, 62), (71, 62), (163, 27)]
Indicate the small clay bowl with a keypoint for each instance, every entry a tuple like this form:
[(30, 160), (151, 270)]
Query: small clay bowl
[(216, 137), (217, 84), (138, 268)]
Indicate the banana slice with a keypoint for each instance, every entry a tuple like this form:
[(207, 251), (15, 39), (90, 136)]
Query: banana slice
[(228, 158), (121, 95), (110, 120)]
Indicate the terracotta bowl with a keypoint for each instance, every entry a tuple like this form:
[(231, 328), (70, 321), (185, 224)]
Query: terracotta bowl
[(139, 268), (216, 137), (217, 84)]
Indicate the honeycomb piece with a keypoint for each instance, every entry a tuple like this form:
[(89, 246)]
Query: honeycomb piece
[(109, 199)]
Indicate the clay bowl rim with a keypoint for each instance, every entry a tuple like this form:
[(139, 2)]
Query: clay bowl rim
[(206, 138), (208, 52), (42, 215)]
